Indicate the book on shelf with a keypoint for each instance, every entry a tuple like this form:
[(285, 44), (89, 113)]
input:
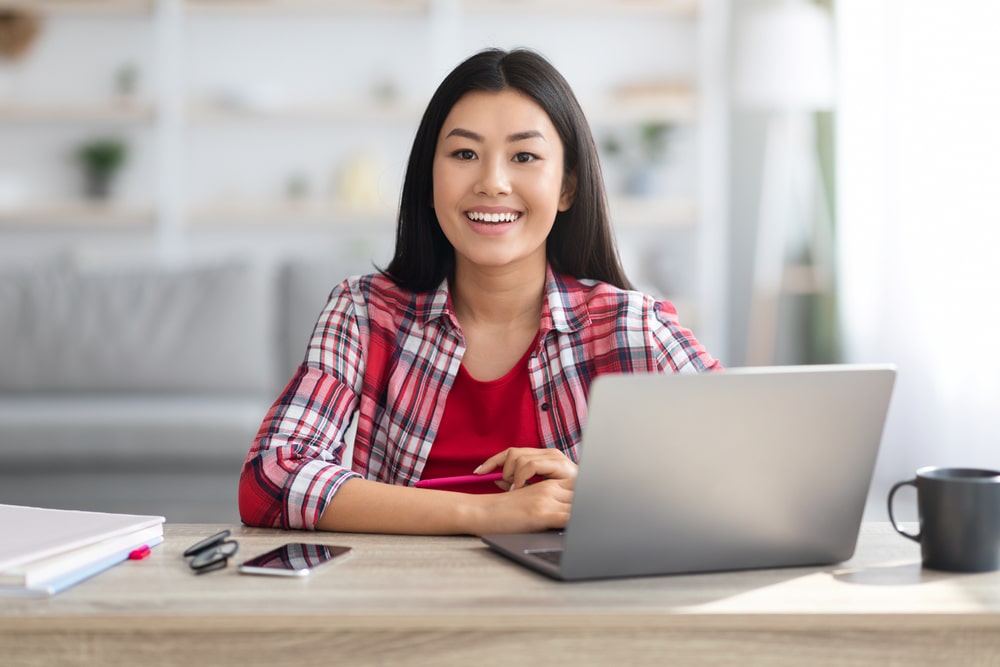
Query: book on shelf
[(44, 551)]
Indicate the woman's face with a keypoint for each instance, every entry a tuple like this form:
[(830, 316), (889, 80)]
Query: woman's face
[(498, 180)]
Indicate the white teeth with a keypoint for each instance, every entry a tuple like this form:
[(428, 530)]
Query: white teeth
[(478, 216)]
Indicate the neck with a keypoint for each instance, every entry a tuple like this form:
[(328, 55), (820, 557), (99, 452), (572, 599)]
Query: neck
[(505, 296)]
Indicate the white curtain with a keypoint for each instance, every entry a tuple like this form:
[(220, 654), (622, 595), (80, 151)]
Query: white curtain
[(918, 175)]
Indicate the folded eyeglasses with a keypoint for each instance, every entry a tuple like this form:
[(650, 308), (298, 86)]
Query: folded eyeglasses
[(211, 553)]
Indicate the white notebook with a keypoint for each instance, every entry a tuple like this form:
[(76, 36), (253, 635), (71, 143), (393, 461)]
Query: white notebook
[(29, 534)]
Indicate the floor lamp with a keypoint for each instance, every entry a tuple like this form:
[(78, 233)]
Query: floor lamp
[(784, 67)]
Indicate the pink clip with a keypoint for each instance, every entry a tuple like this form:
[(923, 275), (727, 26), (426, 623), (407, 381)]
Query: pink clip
[(140, 553)]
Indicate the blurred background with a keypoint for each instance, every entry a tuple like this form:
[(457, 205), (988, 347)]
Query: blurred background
[(183, 181)]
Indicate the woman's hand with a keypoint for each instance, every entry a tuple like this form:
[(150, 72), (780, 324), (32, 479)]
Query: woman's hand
[(543, 480), (521, 464), (544, 505)]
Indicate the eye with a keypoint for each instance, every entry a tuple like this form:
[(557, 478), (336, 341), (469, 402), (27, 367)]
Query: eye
[(464, 154), (525, 157)]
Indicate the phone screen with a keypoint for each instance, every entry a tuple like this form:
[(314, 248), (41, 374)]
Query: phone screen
[(295, 559)]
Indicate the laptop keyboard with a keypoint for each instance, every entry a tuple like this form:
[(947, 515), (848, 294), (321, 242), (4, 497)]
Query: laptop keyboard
[(553, 556)]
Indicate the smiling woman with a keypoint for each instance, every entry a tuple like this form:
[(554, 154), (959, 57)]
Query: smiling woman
[(499, 184), (472, 353), (581, 242)]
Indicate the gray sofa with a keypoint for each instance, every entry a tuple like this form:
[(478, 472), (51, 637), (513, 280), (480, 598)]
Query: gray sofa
[(140, 389)]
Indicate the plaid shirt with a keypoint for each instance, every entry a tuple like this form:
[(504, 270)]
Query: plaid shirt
[(392, 356)]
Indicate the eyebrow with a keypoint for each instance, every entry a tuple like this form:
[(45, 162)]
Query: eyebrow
[(517, 136)]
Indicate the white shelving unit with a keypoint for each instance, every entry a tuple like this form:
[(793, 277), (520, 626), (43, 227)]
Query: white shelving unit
[(218, 147)]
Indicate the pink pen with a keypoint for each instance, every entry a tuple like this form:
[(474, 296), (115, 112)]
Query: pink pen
[(443, 482)]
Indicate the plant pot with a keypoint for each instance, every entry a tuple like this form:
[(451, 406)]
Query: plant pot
[(97, 184)]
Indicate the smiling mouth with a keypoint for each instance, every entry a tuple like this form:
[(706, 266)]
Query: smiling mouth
[(492, 218)]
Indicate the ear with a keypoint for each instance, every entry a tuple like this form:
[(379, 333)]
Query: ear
[(568, 191)]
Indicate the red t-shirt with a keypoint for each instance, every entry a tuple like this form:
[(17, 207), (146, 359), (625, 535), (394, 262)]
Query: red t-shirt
[(482, 419)]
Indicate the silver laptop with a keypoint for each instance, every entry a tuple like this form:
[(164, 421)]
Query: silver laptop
[(748, 468)]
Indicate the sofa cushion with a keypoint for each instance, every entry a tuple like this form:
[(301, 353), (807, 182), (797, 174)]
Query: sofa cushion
[(127, 432), (305, 288), (203, 329)]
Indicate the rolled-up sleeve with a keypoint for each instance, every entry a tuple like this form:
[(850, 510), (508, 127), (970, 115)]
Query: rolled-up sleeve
[(294, 466)]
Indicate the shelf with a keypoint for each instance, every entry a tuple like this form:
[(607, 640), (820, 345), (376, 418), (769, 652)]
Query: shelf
[(319, 113), (304, 216), (306, 7), (673, 8), (107, 114), (78, 214), (626, 213), (653, 212), (86, 7), (676, 108)]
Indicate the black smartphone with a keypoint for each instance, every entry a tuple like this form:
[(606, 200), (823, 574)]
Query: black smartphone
[(293, 560)]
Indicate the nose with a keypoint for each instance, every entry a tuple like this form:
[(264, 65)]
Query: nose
[(493, 179)]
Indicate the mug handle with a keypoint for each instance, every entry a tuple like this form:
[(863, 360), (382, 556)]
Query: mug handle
[(892, 519)]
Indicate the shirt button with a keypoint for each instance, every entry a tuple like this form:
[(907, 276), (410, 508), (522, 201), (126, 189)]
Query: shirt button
[(545, 407)]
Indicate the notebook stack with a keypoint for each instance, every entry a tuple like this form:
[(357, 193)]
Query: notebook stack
[(45, 551)]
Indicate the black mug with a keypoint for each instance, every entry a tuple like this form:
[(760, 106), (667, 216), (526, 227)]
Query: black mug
[(959, 518)]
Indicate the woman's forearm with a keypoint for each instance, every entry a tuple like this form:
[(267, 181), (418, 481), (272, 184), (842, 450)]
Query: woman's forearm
[(364, 506)]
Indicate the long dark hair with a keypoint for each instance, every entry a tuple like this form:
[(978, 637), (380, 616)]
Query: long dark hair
[(581, 243)]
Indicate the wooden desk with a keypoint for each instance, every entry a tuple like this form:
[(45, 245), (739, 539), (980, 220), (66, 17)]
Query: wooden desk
[(444, 601)]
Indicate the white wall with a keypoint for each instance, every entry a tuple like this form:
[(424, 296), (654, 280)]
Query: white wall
[(919, 168)]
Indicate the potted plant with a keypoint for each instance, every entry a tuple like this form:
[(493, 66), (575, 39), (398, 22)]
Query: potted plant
[(101, 159)]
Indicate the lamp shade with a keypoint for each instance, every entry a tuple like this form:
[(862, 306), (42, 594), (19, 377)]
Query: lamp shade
[(784, 58)]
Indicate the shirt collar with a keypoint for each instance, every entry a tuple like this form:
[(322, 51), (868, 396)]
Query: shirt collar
[(563, 309), (436, 304)]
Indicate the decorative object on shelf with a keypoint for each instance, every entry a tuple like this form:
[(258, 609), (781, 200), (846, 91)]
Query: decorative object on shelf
[(357, 182), (612, 153), (654, 137), (19, 27), (101, 160), (296, 187), (648, 175), (385, 92), (126, 82), (258, 97), (785, 67), (11, 191)]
